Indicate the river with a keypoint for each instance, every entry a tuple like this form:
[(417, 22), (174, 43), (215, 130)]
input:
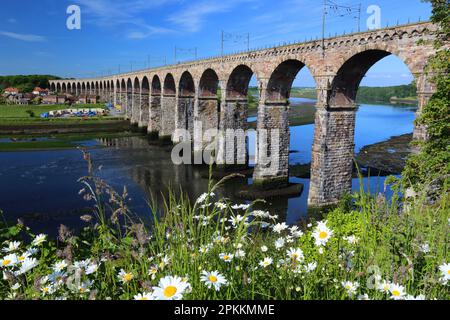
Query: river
[(41, 186)]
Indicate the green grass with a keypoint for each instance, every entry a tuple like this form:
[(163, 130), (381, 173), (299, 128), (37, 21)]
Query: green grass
[(188, 238)]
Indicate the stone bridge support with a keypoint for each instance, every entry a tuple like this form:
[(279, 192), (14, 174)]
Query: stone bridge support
[(168, 103), (144, 110), (184, 116), (272, 146), (154, 123), (333, 146), (206, 120)]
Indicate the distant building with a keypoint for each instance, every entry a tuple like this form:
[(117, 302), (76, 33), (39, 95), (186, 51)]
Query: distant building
[(12, 91), (50, 99), (40, 92)]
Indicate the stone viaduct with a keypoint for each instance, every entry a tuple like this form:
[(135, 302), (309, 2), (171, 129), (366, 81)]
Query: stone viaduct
[(214, 91)]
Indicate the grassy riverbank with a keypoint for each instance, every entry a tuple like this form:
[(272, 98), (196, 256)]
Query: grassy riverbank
[(367, 248)]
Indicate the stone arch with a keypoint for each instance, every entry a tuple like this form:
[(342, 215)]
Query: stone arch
[(79, 92), (185, 105), (169, 85), (345, 84), (88, 88), (280, 82), (69, 88), (97, 88), (58, 87), (209, 83), (238, 82), (145, 102), (52, 87), (154, 125), (64, 87)]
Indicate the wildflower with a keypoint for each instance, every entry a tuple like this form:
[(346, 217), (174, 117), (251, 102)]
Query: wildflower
[(56, 277), (351, 239), (425, 248), (204, 196), (266, 262), (322, 234), (91, 268), (240, 206), (445, 271), (15, 286), (39, 239), (295, 254), (46, 290), (143, 296), (125, 277), (279, 227), (60, 265), (397, 291), (309, 225), (260, 214), (8, 261), (279, 243), (204, 249), (27, 265), (311, 266), (264, 249), (153, 270), (351, 287), (213, 279), (227, 257), (221, 205), (12, 246), (384, 286), (170, 288), (364, 297), (236, 220), (84, 287), (240, 253)]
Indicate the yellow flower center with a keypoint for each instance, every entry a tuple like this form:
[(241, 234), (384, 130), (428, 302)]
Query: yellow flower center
[(448, 271), (226, 257), (127, 277), (6, 262), (143, 298), (323, 234), (213, 279), (21, 258), (81, 290), (396, 293), (170, 291), (45, 289)]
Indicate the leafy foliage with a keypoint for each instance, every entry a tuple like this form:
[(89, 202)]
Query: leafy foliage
[(432, 164), (25, 83)]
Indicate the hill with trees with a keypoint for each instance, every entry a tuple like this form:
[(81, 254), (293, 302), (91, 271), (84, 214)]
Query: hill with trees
[(25, 83)]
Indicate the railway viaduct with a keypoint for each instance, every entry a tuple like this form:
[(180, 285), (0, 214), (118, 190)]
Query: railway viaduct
[(214, 92)]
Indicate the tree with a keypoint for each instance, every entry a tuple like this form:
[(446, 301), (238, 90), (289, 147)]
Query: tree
[(430, 168)]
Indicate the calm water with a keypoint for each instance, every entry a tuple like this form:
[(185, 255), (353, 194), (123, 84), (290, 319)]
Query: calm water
[(41, 186)]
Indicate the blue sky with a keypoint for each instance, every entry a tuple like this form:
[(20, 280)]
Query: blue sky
[(34, 38)]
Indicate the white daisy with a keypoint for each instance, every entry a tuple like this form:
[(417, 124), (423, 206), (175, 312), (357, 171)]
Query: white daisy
[(170, 288), (384, 286), (12, 246), (322, 234), (143, 296), (445, 272), (364, 297), (279, 243), (8, 261), (264, 249), (279, 227), (351, 239), (266, 262), (240, 253), (411, 297), (296, 254), (227, 257), (221, 205), (125, 277), (60, 265), (39, 239), (351, 287), (397, 291), (27, 265), (213, 279), (311, 266)]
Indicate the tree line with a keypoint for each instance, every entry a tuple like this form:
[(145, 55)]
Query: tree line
[(26, 83)]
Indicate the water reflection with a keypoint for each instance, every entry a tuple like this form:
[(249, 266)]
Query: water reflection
[(41, 186)]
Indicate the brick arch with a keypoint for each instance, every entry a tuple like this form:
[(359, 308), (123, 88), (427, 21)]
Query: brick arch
[(169, 85), (209, 83), (239, 81), (186, 85), (156, 85), (281, 80)]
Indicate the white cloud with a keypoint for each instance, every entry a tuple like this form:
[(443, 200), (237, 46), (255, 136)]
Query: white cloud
[(23, 37)]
